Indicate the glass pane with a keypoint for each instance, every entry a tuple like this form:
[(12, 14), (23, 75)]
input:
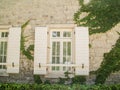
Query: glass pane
[(6, 34), (53, 67), (5, 48), (54, 34), (4, 66), (0, 66), (53, 60), (58, 60), (64, 60), (69, 48), (1, 49), (64, 68), (64, 48), (57, 68), (58, 34), (66, 34), (0, 59), (68, 59), (4, 60), (58, 48), (53, 48), (2, 34)]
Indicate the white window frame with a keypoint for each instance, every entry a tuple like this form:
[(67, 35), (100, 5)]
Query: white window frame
[(4, 39), (60, 39)]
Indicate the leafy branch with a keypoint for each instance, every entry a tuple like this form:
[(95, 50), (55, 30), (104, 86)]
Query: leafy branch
[(26, 52)]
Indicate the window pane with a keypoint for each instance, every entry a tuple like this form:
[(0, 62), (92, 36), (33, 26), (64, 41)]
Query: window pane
[(0, 59), (5, 48), (58, 34), (0, 66), (57, 68), (58, 60), (68, 59), (53, 67), (64, 48), (1, 49), (69, 48), (4, 66), (64, 60), (66, 34), (2, 35), (55, 34), (53, 60), (4, 60), (6, 34), (53, 48), (64, 68), (58, 48)]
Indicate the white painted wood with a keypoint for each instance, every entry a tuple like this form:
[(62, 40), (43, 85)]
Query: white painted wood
[(40, 53), (82, 50), (13, 50)]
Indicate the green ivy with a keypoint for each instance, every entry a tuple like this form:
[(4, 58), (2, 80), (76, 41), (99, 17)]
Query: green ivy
[(110, 64), (14, 86), (102, 15), (26, 52)]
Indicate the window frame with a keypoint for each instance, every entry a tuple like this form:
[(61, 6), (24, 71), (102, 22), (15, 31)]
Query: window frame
[(4, 28), (61, 39)]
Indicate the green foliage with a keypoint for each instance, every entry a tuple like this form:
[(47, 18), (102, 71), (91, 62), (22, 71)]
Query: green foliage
[(101, 16), (67, 75), (47, 82), (57, 87), (79, 80), (37, 79), (111, 63), (26, 52), (61, 80), (24, 25)]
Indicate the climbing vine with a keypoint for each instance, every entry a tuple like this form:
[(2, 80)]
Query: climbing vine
[(26, 52), (101, 15), (111, 63)]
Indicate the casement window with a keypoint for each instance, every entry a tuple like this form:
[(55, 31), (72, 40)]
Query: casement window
[(61, 48), (3, 49), (9, 49)]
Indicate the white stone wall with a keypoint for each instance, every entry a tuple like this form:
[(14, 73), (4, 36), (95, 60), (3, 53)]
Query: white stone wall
[(42, 12)]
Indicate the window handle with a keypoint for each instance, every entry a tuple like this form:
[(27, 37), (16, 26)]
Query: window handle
[(39, 65), (82, 66), (13, 64)]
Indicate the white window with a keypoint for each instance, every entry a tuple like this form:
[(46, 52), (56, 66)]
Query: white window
[(3, 49), (61, 51), (9, 49), (61, 48)]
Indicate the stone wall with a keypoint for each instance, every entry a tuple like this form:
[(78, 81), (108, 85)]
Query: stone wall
[(102, 43), (43, 13)]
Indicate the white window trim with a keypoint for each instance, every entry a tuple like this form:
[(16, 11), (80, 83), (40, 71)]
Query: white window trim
[(61, 28), (4, 28)]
